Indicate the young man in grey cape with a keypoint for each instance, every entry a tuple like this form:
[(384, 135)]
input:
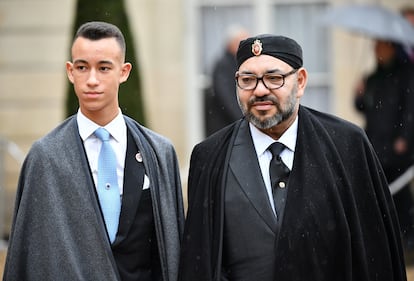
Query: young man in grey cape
[(326, 214), (60, 229)]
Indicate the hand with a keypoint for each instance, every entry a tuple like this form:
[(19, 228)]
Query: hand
[(400, 145)]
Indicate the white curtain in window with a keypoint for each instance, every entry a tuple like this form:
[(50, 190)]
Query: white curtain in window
[(216, 20), (301, 22)]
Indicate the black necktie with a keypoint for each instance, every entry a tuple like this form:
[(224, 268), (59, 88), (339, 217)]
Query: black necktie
[(279, 174)]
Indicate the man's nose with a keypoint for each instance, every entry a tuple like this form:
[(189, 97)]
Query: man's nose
[(261, 89), (92, 79)]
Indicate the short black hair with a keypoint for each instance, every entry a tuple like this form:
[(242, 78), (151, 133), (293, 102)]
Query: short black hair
[(96, 30)]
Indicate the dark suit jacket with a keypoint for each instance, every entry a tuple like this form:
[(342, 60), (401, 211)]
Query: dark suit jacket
[(250, 225), (135, 247)]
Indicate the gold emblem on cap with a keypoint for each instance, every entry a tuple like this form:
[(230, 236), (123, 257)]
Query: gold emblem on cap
[(257, 47)]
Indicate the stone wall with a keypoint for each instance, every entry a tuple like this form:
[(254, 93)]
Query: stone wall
[(33, 48)]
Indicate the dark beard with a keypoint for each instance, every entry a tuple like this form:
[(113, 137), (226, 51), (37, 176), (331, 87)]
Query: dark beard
[(282, 115)]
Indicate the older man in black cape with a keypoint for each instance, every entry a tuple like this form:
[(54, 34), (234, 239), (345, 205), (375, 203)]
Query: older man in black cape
[(336, 219)]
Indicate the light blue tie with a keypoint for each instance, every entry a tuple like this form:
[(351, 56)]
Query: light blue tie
[(108, 190)]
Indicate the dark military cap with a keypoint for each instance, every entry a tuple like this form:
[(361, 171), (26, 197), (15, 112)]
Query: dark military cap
[(280, 47)]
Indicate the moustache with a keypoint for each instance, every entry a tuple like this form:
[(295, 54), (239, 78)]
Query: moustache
[(271, 99)]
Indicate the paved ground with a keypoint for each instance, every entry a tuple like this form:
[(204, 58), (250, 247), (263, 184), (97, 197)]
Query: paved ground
[(409, 260), (410, 269)]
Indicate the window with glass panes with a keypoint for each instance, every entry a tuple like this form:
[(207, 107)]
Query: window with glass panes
[(295, 19)]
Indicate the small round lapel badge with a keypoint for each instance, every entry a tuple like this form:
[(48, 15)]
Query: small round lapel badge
[(257, 47), (282, 184), (138, 157)]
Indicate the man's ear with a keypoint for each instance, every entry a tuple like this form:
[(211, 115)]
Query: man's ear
[(125, 70), (69, 70), (302, 80)]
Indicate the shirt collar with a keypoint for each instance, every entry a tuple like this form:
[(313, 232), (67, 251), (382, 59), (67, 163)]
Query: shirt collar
[(262, 141), (117, 127)]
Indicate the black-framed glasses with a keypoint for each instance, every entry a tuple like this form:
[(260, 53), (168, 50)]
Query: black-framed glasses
[(271, 81)]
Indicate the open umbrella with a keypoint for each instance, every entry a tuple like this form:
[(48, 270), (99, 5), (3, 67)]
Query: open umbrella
[(371, 20)]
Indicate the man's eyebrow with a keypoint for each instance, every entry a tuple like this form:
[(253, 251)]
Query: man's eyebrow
[(270, 71), (80, 61), (273, 71), (245, 72), (100, 62), (105, 62)]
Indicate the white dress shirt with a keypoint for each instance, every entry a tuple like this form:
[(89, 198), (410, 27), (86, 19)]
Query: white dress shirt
[(118, 140), (262, 141)]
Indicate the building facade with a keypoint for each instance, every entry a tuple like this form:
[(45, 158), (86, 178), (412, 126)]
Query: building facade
[(177, 42)]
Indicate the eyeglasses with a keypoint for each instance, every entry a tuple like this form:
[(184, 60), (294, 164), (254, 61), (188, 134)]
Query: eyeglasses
[(271, 81)]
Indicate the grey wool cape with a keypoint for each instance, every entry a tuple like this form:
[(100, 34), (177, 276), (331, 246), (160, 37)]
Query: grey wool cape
[(339, 220), (58, 232)]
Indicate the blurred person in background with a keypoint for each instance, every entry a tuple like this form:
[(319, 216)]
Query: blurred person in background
[(221, 107), (385, 97), (406, 52)]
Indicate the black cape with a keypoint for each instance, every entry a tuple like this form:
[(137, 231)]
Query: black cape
[(339, 221)]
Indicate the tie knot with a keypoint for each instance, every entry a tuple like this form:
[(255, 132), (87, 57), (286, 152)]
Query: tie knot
[(276, 148), (102, 134)]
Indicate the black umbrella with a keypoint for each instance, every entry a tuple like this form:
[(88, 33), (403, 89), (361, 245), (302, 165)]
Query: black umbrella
[(371, 20)]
